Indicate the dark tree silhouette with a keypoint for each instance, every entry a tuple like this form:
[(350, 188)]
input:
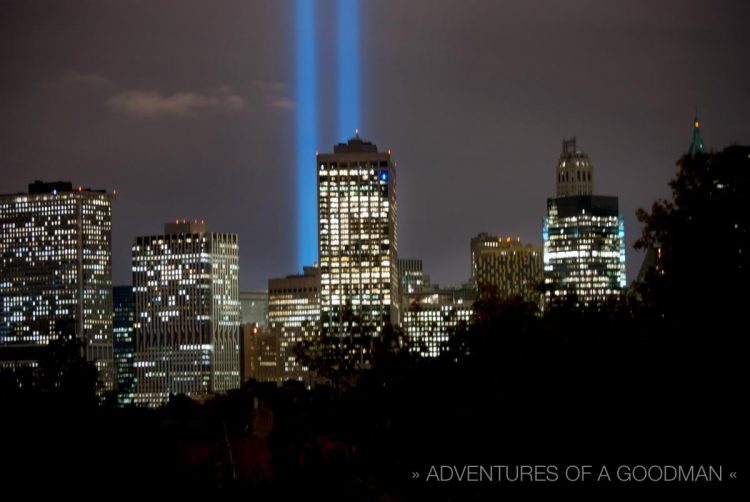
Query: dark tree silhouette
[(62, 376), (701, 243)]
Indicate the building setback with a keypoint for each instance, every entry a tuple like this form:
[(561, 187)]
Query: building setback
[(187, 309), (56, 273)]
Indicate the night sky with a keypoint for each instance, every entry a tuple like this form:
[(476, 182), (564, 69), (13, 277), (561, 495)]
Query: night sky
[(187, 109)]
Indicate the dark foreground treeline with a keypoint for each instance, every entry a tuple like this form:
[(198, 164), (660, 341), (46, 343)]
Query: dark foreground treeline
[(657, 378), (587, 389)]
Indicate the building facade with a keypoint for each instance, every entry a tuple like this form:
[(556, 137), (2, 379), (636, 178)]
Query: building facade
[(123, 317), (261, 355), (294, 319), (357, 236), (431, 318), (506, 267), (584, 242), (260, 352), (56, 273), (187, 313)]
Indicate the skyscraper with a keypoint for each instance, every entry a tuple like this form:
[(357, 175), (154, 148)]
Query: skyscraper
[(584, 237), (123, 316), (186, 292), (575, 174), (294, 318), (506, 267), (56, 273), (357, 235)]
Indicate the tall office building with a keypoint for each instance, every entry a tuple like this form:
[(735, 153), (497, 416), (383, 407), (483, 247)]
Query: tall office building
[(56, 273), (357, 236), (187, 313), (584, 239), (294, 318), (123, 316), (506, 267)]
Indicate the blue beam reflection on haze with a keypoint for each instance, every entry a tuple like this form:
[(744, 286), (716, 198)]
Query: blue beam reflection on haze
[(307, 224), (348, 67)]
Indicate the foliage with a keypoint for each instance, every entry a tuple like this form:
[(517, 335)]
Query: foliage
[(62, 375), (701, 239)]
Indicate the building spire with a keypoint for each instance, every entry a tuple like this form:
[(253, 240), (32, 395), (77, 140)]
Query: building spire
[(696, 146)]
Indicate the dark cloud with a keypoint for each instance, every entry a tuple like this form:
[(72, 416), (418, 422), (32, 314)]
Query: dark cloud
[(151, 104)]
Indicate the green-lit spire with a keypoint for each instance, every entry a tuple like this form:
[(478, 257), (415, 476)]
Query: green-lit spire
[(696, 146)]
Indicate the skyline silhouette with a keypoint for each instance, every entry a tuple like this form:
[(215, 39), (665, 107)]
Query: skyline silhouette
[(193, 116)]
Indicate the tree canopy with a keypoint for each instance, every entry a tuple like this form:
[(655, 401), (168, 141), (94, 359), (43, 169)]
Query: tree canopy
[(700, 238)]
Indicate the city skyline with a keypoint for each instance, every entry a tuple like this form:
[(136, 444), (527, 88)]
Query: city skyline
[(213, 137), (373, 250)]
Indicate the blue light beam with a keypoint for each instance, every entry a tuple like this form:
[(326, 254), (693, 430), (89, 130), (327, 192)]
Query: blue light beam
[(307, 219), (348, 67)]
